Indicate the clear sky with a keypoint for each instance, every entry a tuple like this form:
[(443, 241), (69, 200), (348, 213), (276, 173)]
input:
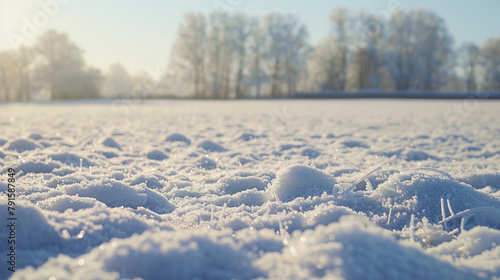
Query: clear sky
[(139, 34)]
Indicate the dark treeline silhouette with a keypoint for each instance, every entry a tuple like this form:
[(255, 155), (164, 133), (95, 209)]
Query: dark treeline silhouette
[(224, 55)]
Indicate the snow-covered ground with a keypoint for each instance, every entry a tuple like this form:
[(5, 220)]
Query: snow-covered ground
[(276, 189)]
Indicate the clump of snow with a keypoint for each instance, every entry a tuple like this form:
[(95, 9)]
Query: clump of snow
[(310, 153), (157, 255), (301, 181), (21, 145), (151, 181), (248, 136), (108, 154), (110, 142), (71, 159), (35, 167), (354, 144), (156, 155), (411, 155), (206, 163), (210, 146), (233, 185), (35, 136), (353, 248), (64, 202), (418, 193), (110, 192), (176, 137), (33, 230)]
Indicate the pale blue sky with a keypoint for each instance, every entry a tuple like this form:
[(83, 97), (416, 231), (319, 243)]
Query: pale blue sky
[(139, 34)]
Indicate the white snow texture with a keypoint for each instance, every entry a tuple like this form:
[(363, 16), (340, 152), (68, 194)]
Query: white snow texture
[(318, 189)]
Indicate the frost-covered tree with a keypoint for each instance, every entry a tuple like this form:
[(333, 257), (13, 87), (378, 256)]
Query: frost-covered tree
[(257, 73), (342, 23), (241, 31), (117, 82), (491, 62), (58, 55), (368, 53), (78, 83), (419, 50), (326, 72), (469, 60), (435, 49), (190, 51), (15, 74), (285, 51)]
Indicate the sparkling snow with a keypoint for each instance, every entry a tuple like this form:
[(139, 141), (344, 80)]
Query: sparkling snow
[(277, 189)]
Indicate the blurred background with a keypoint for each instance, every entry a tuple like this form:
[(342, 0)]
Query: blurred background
[(220, 49)]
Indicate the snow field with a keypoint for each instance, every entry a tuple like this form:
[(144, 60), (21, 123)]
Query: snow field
[(248, 190)]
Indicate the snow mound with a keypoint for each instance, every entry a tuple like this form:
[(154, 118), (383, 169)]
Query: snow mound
[(353, 248), (249, 197), (285, 147), (155, 255), (301, 181), (354, 144), (248, 136), (206, 163), (2, 155), (310, 153), (110, 192), (479, 181), (420, 194), (64, 202), (35, 136), (71, 159), (233, 185), (416, 155), (30, 220), (56, 181), (110, 142), (176, 137), (21, 145), (156, 202), (475, 249), (108, 154), (35, 167), (210, 146), (151, 181), (156, 155)]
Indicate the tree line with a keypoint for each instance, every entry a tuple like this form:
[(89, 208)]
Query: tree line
[(222, 55)]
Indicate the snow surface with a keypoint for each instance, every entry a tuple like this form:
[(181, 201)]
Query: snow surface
[(277, 189)]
